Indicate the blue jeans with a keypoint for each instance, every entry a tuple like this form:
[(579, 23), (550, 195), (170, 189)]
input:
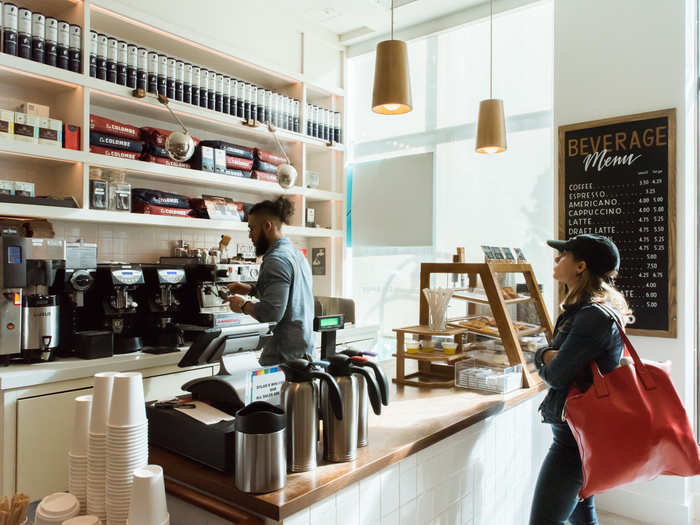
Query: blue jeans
[(560, 479)]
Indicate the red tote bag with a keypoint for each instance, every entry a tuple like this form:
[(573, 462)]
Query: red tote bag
[(630, 425)]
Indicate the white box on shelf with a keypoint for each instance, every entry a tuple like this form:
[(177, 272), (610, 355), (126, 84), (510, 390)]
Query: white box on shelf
[(478, 375), (7, 123), (25, 128), (24, 189), (32, 108), (49, 131), (7, 187)]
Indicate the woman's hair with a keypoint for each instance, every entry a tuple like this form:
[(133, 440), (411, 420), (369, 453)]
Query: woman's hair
[(592, 288), (280, 209)]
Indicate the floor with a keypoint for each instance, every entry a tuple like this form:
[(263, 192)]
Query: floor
[(605, 518)]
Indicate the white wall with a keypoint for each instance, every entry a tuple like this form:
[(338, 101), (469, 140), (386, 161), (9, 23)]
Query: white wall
[(629, 56)]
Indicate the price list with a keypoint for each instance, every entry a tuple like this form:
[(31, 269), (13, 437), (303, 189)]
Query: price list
[(616, 182)]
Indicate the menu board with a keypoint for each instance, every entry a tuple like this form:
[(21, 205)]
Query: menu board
[(617, 178)]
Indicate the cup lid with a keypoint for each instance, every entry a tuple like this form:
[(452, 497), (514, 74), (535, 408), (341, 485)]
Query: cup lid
[(58, 504)]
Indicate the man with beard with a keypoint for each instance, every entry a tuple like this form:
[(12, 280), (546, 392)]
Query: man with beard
[(283, 287)]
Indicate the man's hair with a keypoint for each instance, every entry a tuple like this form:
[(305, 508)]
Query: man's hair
[(280, 209)]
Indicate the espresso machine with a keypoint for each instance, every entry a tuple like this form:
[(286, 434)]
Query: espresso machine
[(118, 310), (161, 305), (40, 308), (72, 284)]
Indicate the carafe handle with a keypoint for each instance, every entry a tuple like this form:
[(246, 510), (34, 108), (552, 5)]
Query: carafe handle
[(334, 395), (372, 388), (382, 382)]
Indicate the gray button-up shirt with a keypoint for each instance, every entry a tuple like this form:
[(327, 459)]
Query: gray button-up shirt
[(284, 290)]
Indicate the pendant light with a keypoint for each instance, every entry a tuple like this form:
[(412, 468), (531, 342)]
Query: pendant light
[(392, 83), (491, 126)]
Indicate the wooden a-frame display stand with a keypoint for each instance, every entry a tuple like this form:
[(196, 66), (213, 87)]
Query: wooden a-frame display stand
[(437, 369)]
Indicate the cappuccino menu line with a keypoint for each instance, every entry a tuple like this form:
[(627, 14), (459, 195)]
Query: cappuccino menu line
[(616, 179)]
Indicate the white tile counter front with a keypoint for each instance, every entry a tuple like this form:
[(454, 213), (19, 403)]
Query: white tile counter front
[(483, 475)]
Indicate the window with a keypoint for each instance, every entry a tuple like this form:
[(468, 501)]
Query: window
[(505, 200)]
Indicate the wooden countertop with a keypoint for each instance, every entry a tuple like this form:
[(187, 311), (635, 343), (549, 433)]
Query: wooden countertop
[(415, 419)]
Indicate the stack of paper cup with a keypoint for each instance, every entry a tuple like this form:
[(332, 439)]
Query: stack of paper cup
[(97, 445), (127, 443), (78, 455), (148, 506)]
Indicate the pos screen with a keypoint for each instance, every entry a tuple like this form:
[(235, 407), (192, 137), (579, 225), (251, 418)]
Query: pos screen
[(328, 322)]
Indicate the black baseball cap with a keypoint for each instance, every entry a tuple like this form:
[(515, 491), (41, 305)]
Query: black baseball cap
[(599, 252)]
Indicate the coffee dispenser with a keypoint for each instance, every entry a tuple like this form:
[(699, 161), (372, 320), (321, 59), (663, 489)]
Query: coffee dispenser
[(40, 308), (13, 279), (300, 398), (340, 435), (114, 289)]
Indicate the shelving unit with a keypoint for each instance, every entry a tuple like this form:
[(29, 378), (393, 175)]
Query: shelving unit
[(441, 374), (73, 97)]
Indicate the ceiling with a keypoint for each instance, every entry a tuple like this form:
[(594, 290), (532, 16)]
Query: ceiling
[(357, 20)]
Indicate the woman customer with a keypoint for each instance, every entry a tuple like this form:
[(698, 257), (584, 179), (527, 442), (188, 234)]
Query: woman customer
[(585, 331)]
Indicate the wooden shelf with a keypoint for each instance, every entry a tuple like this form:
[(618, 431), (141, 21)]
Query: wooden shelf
[(424, 330), (114, 217), (484, 300), (495, 334), (119, 98), (435, 356)]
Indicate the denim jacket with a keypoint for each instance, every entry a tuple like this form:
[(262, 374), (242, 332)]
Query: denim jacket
[(284, 290), (583, 333)]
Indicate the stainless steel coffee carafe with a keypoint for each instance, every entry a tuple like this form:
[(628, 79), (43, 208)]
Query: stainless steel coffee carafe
[(261, 464), (300, 400), (340, 436), (358, 359)]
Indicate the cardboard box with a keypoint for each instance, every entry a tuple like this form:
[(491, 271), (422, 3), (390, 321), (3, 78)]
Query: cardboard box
[(7, 124), (7, 187), (24, 189), (32, 108), (25, 128), (220, 160), (71, 136), (49, 131)]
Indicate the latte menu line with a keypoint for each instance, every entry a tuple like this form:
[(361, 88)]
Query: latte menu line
[(617, 177)]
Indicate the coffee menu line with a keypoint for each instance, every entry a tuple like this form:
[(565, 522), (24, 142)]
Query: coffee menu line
[(617, 178)]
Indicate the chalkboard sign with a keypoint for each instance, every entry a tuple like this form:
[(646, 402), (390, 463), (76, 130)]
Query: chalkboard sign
[(617, 177)]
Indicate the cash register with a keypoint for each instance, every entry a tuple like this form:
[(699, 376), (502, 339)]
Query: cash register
[(212, 445)]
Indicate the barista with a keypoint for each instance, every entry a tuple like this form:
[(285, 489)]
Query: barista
[(283, 287)]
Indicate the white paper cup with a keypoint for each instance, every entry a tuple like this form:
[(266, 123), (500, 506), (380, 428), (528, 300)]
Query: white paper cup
[(148, 505), (101, 400), (128, 406), (81, 425)]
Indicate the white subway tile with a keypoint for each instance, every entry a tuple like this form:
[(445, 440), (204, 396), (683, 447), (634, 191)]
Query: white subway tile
[(467, 509), (390, 489), (323, 512), (408, 463), (370, 502), (407, 485), (424, 508), (452, 516), (391, 519), (349, 496), (300, 518)]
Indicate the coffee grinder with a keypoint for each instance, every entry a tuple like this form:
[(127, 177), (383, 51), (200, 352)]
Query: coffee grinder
[(72, 284), (161, 305), (40, 308), (114, 289), (13, 279)]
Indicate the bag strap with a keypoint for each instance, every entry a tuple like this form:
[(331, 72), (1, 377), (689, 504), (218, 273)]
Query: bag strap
[(642, 371)]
